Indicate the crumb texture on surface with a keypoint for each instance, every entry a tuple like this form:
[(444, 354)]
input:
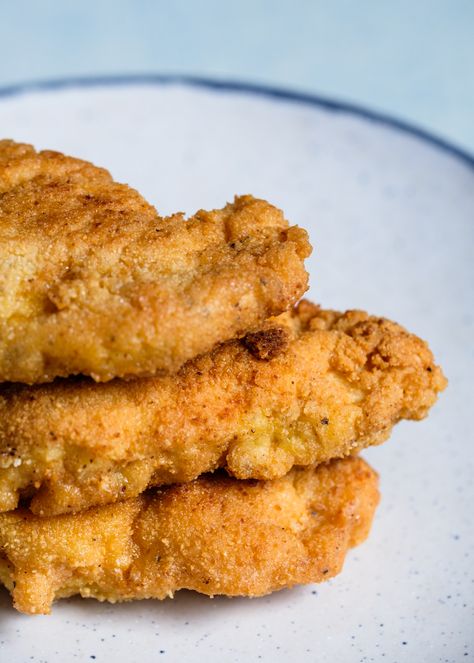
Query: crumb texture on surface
[(309, 386), (215, 535), (94, 282)]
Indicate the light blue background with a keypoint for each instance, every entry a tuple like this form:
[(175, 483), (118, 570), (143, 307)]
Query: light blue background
[(412, 59)]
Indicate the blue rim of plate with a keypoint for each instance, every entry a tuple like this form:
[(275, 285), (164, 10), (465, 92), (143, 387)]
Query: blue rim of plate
[(241, 87)]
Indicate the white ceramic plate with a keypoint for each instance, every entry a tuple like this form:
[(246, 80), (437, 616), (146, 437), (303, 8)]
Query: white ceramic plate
[(391, 216)]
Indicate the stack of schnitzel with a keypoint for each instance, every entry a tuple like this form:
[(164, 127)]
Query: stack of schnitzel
[(172, 414)]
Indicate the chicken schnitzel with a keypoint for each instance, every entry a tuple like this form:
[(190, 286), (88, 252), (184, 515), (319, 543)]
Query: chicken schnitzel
[(94, 282), (215, 535), (309, 386)]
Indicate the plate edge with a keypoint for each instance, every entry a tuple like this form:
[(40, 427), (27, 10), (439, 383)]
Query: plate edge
[(236, 86)]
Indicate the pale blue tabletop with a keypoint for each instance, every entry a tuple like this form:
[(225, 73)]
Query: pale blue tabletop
[(412, 60)]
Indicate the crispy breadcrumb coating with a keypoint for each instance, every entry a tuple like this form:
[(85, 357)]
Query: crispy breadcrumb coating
[(93, 281), (215, 535), (311, 385)]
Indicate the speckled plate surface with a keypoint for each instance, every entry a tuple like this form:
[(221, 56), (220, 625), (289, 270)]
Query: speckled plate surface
[(391, 216)]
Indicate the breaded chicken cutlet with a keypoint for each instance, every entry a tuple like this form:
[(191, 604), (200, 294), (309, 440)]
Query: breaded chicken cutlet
[(215, 535), (311, 385), (94, 282)]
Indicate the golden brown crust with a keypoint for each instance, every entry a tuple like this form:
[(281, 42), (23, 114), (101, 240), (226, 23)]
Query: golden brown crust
[(215, 535), (93, 281), (336, 383)]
